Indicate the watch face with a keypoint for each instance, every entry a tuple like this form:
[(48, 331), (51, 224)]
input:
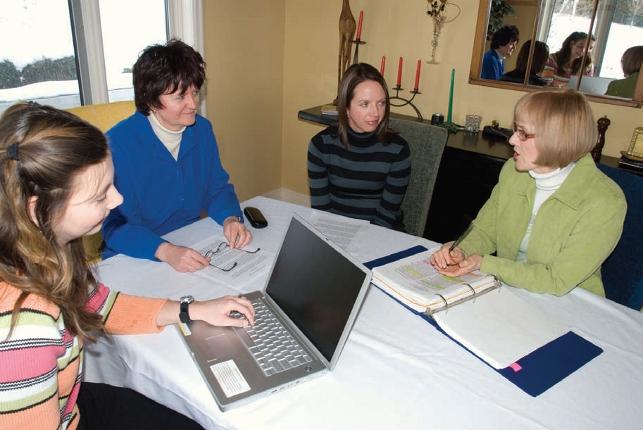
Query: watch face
[(187, 299)]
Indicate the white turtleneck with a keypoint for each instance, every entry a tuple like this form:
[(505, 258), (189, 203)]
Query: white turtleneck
[(546, 185), (170, 139)]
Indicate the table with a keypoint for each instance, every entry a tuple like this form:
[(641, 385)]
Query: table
[(396, 370)]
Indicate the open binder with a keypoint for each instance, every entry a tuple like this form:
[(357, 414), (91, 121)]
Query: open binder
[(535, 372), (414, 282)]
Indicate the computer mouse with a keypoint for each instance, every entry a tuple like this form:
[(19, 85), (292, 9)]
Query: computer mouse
[(237, 315)]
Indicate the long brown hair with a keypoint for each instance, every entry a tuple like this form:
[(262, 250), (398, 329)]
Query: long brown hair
[(563, 56), (42, 150), (355, 75)]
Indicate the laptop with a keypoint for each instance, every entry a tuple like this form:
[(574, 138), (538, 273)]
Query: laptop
[(590, 84), (314, 291)]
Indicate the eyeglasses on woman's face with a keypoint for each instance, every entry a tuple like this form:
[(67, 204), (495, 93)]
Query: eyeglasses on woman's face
[(522, 134), (210, 253)]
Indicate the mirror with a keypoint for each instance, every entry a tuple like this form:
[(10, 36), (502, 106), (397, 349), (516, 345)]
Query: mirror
[(560, 56)]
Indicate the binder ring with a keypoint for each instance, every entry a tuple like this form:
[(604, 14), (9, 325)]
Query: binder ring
[(446, 304), (473, 291)]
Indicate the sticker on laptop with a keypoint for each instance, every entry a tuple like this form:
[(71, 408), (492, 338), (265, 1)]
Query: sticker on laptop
[(229, 378), (185, 329)]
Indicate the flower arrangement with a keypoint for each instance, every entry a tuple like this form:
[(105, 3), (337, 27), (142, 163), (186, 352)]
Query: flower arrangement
[(436, 10)]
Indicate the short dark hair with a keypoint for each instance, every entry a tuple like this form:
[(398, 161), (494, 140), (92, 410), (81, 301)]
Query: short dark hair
[(355, 75), (504, 36), (163, 69)]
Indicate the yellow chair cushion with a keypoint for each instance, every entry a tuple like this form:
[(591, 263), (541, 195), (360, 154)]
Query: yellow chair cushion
[(105, 116)]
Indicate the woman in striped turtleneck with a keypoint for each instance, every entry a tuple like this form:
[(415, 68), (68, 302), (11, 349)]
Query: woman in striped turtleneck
[(360, 168)]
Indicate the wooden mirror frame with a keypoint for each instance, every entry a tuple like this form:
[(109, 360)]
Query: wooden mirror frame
[(478, 52)]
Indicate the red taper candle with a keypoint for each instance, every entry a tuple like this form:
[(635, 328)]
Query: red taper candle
[(358, 35), (417, 75), (399, 72)]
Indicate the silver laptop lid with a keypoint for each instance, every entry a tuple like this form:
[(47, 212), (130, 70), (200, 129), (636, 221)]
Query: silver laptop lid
[(590, 84), (318, 286)]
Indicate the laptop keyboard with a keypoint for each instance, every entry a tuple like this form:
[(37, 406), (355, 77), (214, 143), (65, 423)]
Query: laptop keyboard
[(274, 349)]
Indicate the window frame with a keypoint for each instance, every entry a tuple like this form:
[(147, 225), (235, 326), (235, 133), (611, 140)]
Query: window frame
[(184, 20)]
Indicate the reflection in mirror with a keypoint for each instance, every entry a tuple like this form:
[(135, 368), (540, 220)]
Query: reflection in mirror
[(505, 15), (503, 44), (539, 56), (563, 26), (568, 60), (632, 63)]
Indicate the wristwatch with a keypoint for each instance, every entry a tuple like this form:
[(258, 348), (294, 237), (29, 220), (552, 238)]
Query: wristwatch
[(184, 314)]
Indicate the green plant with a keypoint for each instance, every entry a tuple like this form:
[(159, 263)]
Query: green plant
[(499, 9), (9, 75)]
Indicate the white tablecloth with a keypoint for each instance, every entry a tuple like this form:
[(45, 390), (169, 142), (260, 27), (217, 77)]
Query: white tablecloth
[(396, 370)]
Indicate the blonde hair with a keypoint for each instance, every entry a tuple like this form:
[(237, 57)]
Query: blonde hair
[(42, 151), (563, 124)]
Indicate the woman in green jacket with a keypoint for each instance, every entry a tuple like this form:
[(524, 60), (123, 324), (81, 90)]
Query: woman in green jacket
[(553, 217)]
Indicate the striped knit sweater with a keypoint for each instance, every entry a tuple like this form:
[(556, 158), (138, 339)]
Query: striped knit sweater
[(41, 364), (366, 181)]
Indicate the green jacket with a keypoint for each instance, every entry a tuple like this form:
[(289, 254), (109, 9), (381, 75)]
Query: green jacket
[(623, 87), (575, 230)]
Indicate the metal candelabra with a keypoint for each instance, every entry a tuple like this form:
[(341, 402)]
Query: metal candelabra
[(357, 42), (404, 101)]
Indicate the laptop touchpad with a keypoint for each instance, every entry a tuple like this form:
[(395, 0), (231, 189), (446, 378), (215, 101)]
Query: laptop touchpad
[(217, 346)]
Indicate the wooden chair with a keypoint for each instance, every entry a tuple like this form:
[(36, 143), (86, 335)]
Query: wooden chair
[(426, 143), (103, 116)]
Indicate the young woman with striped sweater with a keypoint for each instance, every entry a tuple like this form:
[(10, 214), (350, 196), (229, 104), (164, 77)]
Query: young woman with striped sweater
[(56, 185), (360, 168)]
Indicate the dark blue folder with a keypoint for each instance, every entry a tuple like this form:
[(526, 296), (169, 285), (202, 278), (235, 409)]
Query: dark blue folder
[(536, 372)]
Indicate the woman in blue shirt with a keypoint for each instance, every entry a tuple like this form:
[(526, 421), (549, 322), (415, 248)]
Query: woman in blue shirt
[(503, 44), (167, 163)]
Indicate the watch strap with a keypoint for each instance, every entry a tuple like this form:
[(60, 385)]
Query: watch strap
[(184, 309)]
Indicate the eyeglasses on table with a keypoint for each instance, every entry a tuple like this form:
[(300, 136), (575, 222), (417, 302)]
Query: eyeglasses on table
[(210, 253)]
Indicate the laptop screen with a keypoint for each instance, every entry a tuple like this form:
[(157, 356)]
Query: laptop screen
[(315, 286)]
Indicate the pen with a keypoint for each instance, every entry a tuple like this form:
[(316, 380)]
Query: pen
[(461, 238)]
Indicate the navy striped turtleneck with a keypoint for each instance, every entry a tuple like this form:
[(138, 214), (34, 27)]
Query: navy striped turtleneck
[(367, 181)]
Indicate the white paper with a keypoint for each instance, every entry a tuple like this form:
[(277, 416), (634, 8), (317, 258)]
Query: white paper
[(247, 266), (340, 230), (499, 327)]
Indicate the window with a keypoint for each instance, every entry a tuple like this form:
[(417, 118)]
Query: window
[(42, 66), (121, 48), (64, 59)]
